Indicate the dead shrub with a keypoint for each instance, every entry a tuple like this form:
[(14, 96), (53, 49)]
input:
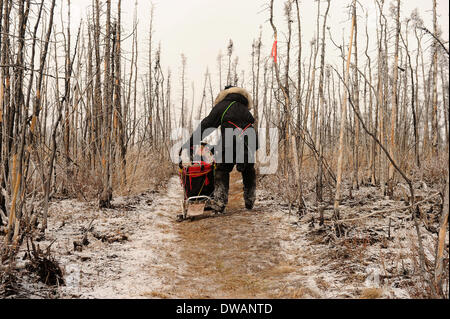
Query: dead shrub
[(44, 266)]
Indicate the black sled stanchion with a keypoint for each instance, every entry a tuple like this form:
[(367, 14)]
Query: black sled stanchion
[(197, 179)]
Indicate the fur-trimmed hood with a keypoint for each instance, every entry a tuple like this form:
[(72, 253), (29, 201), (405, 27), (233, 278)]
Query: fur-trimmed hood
[(237, 90)]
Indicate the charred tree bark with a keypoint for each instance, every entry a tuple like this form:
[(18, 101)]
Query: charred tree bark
[(393, 141), (106, 192), (342, 127)]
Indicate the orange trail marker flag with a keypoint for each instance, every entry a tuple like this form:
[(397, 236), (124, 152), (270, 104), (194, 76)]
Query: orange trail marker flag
[(274, 51)]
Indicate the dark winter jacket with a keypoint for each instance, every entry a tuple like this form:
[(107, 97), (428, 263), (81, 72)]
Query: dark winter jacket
[(231, 110)]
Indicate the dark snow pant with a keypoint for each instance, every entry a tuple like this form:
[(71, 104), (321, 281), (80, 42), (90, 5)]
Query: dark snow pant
[(222, 184)]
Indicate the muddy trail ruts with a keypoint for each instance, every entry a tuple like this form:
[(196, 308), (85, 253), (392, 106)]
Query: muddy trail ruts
[(240, 254), (139, 250)]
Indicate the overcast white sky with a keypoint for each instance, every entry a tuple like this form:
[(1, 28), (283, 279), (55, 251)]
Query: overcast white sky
[(200, 28)]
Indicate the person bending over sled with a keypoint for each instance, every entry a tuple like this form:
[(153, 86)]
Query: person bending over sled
[(237, 146)]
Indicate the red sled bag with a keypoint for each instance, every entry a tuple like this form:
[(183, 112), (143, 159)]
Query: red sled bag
[(198, 179)]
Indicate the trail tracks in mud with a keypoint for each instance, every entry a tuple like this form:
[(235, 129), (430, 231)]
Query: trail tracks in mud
[(139, 250), (241, 254)]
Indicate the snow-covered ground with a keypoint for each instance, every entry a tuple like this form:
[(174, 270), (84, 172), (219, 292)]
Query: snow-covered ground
[(139, 250)]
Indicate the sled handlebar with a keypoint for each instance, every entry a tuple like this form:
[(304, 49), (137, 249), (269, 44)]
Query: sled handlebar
[(210, 148)]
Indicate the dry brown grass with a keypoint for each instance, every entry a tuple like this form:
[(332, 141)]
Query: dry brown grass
[(322, 284), (144, 171), (371, 293), (280, 270)]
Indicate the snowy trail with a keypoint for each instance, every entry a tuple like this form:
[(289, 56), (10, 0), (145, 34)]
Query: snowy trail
[(243, 253), (144, 256), (133, 268), (138, 250)]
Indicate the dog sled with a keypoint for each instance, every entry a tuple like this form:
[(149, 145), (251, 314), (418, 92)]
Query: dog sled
[(197, 179)]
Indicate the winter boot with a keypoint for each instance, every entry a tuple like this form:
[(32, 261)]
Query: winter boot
[(222, 184), (249, 180)]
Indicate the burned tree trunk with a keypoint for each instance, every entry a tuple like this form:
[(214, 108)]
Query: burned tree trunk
[(392, 145), (106, 192), (337, 197)]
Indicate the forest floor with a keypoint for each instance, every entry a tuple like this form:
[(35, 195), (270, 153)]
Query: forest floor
[(137, 249)]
